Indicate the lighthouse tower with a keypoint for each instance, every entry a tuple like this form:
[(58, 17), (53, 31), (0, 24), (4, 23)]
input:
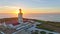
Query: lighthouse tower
[(20, 18)]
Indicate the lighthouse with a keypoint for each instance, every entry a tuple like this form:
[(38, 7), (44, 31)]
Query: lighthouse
[(20, 18)]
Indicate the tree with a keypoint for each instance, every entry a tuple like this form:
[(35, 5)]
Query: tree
[(50, 33), (43, 32)]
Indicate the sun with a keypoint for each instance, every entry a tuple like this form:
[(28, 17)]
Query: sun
[(17, 11)]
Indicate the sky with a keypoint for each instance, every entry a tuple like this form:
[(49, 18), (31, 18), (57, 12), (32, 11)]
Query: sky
[(30, 6)]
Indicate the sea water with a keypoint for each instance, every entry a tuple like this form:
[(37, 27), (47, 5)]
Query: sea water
[(47, 17)]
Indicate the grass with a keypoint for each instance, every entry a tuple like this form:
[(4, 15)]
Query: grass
[(42, 27), (48, 25)]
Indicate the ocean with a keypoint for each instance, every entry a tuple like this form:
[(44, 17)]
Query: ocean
[(46, 17)]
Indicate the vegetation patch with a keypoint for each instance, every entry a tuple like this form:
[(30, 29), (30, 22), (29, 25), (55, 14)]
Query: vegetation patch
[(48, 25), (42, 27)]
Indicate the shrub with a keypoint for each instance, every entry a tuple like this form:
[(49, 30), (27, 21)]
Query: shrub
[(43, 32), (50, 33)]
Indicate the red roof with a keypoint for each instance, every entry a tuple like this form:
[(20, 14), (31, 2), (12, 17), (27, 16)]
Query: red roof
[(14, 22)]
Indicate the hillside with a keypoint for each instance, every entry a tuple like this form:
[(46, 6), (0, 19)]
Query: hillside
[(47, 25)]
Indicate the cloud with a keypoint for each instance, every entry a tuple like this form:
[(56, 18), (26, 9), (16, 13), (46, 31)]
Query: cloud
[(8, 9)]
